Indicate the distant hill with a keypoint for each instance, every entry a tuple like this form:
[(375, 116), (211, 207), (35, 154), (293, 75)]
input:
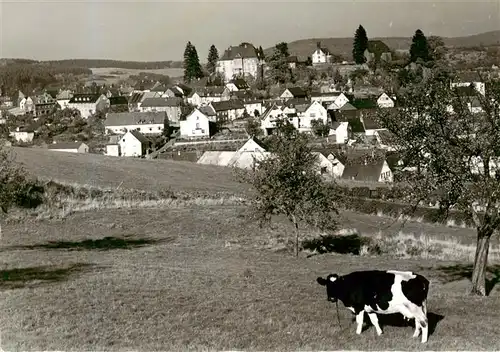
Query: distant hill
[(98, 63), (343, 46)]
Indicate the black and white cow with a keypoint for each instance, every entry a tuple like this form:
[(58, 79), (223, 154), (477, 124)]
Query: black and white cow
[(381, 292)]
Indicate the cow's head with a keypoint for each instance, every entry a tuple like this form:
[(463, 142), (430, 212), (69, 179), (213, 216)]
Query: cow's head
[(330, 282)]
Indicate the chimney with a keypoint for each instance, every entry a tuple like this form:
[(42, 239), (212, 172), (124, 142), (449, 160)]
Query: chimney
[(318, 44)]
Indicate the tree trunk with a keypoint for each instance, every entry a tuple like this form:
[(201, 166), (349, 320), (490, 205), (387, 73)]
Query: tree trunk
[(296, 237), (481, 262)]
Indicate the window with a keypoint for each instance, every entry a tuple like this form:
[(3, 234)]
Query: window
[(313, 114), (197, 126)]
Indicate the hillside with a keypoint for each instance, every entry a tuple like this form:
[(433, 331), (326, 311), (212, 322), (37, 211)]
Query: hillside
[(99, 63), (142, 174), (343, 46)]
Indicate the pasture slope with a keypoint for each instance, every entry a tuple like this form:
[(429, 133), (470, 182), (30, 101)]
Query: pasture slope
[(202, 278), (111, 172)]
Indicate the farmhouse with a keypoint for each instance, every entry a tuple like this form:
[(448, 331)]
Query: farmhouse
[(23, 134), (378, 171), (228, 110), (149, 123), (339, 102), (315, 111), (134, 144), (198, 124), (339, 132), (236, 85), (239, 60), (208, 95), (71, 147), (470, 79), (113, 146), (88, 104), (384, 101), (321, 55), (293, 92), (171, 106)]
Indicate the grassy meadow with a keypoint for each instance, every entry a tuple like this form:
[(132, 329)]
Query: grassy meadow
[(197, 274)]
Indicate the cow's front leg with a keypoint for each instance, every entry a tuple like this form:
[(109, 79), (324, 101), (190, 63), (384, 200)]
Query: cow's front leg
[(417, 329), (374, 319), (359, 321)]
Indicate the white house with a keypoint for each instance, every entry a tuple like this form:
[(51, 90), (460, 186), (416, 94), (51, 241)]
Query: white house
[(239, 60), (251, 106), (113, 146), (148, 123), (326, 166), (378, 171), (315, 111), (321, 55), (134, 144), (228, 110), (88, 104), (271, 116), (197, 125), (339, 132), (21, 134), (71, 147), (208, 95), (384, 101), (467, 79), (325, 97), (237, 85), (293, 92), (63, 98), (337, 168), (339, 102)]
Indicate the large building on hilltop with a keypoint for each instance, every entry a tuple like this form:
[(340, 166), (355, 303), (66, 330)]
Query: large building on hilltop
[(238, 60)]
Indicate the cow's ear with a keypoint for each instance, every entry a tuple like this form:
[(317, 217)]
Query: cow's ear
[(321, 281)]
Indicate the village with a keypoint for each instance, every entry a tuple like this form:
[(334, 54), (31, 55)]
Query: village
[(227, 122)]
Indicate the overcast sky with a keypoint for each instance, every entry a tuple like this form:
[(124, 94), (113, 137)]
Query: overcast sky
[(158, 30)]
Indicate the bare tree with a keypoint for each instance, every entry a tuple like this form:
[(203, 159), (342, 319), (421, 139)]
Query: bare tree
[(288, 183), (451, 138)]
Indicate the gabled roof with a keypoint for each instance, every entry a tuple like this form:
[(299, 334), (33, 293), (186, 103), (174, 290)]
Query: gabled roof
[(64, 95), (226, 105), (242, 94), (65, 145), (364, 103), (119, 100), (135, 98), (361, 172), (347, 107), (465, 91), (297, 92), (242, 51), (161, 102), (140, 137), (134, 118), (177, 92), (295, 102), (84, 98), (207, 110), (469, 77), (325, 94), (240, 83), (208, 91)]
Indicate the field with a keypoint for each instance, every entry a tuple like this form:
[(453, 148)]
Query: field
[(343, 46), (113, 75), (111, 172), (191, 277)]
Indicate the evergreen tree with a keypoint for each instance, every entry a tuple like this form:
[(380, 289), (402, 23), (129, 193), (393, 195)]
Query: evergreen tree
[(213, 56), (360, 44), (419, 48), (280, 71), (260, 53), (192, 66)]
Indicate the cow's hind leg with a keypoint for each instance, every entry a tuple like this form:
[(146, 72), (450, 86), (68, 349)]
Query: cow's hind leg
[(359, 321), (424, 322), (374, 319)]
